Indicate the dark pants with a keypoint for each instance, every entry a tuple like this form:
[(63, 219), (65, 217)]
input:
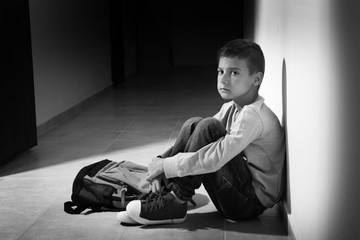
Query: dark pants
[(229, 188)]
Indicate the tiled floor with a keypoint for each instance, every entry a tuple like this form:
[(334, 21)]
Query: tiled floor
[(135, 122)]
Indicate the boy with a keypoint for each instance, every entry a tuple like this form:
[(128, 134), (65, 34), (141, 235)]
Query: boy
[(238, 155)]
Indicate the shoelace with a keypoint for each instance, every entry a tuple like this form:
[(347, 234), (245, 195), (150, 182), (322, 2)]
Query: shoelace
[(151, 194), (163, 191), (156, 200), (147, 195)]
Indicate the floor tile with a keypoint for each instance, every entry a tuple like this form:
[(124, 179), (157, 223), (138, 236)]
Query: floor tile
[(23, 200), (138, 151), (55, 224), (146, 134), (269, 225)]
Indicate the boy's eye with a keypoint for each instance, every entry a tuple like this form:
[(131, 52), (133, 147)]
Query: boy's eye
[(220, 72), (234, 73)]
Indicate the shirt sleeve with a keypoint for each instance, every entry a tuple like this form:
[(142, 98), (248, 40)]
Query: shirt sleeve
[(212, 157)]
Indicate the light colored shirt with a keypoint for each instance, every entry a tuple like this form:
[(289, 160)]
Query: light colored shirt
[(254, 129)]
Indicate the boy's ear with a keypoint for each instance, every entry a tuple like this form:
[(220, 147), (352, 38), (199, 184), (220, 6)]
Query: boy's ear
[(258, 79)]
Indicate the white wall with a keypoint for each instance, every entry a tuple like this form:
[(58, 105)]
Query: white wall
[(71, 53), (301, 34)]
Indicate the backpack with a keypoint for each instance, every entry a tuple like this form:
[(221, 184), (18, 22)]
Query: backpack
[(107, 186)]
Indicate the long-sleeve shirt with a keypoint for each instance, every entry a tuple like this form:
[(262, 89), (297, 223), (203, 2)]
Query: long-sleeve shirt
[(254, 129)]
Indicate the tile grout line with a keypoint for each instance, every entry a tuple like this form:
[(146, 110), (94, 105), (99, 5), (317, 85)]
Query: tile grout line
[(32, 159), (122, 131), (123, 232), (18, 169), (108, 146), (21, 234), (177, 123)]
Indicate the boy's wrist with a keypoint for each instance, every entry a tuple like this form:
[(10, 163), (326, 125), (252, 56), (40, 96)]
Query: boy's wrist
[(170, 169)]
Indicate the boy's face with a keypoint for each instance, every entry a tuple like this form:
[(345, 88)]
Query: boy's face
[(234, 81)]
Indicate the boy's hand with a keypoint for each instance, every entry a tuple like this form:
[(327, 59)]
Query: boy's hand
[(156, 184), (155, 168)]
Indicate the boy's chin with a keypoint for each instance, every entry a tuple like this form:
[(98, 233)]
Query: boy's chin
[(226, 97)]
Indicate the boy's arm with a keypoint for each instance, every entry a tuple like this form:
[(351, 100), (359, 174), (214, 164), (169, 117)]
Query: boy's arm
[(213, 156), (168, 151)]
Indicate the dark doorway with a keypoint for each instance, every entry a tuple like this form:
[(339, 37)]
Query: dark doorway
[(116, 38), (18, 127)]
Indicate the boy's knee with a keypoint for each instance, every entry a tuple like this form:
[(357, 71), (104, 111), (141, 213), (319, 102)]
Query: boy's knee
[(191, 121), (205, 125), (210, 122), (212, 127)]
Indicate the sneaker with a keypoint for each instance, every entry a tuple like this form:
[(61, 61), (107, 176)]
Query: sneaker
[(123, 217), (162, 209)]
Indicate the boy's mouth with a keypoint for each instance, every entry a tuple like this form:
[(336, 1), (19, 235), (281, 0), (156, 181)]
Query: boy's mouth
[(224, 90)]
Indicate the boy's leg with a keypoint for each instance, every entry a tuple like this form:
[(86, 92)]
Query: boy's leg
[(184, 135), (166, 208), (194, 134), (230, 188)]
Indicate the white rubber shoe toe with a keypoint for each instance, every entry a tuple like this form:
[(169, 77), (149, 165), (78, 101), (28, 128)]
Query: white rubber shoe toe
[(123, 217), (133, 210)]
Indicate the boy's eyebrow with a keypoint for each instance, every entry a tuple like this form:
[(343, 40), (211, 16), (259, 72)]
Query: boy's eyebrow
[(232, 68)]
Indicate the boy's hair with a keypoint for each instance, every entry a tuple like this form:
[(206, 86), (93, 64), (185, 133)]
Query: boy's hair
[(247, 50)]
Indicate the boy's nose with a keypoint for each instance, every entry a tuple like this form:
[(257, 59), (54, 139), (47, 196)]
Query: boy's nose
[(224, 79)]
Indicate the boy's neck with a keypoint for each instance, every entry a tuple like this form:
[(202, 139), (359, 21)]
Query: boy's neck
[(246, 100)]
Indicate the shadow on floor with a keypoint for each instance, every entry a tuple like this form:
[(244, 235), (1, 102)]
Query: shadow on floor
[(266, 224)]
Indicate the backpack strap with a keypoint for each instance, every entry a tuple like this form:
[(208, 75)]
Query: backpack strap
[(73, 208), (89, 170)]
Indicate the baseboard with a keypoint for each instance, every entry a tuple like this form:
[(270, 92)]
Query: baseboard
[(292, 235), (67, 114)]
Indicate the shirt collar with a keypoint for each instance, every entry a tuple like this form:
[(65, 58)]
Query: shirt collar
[(259, 100)]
